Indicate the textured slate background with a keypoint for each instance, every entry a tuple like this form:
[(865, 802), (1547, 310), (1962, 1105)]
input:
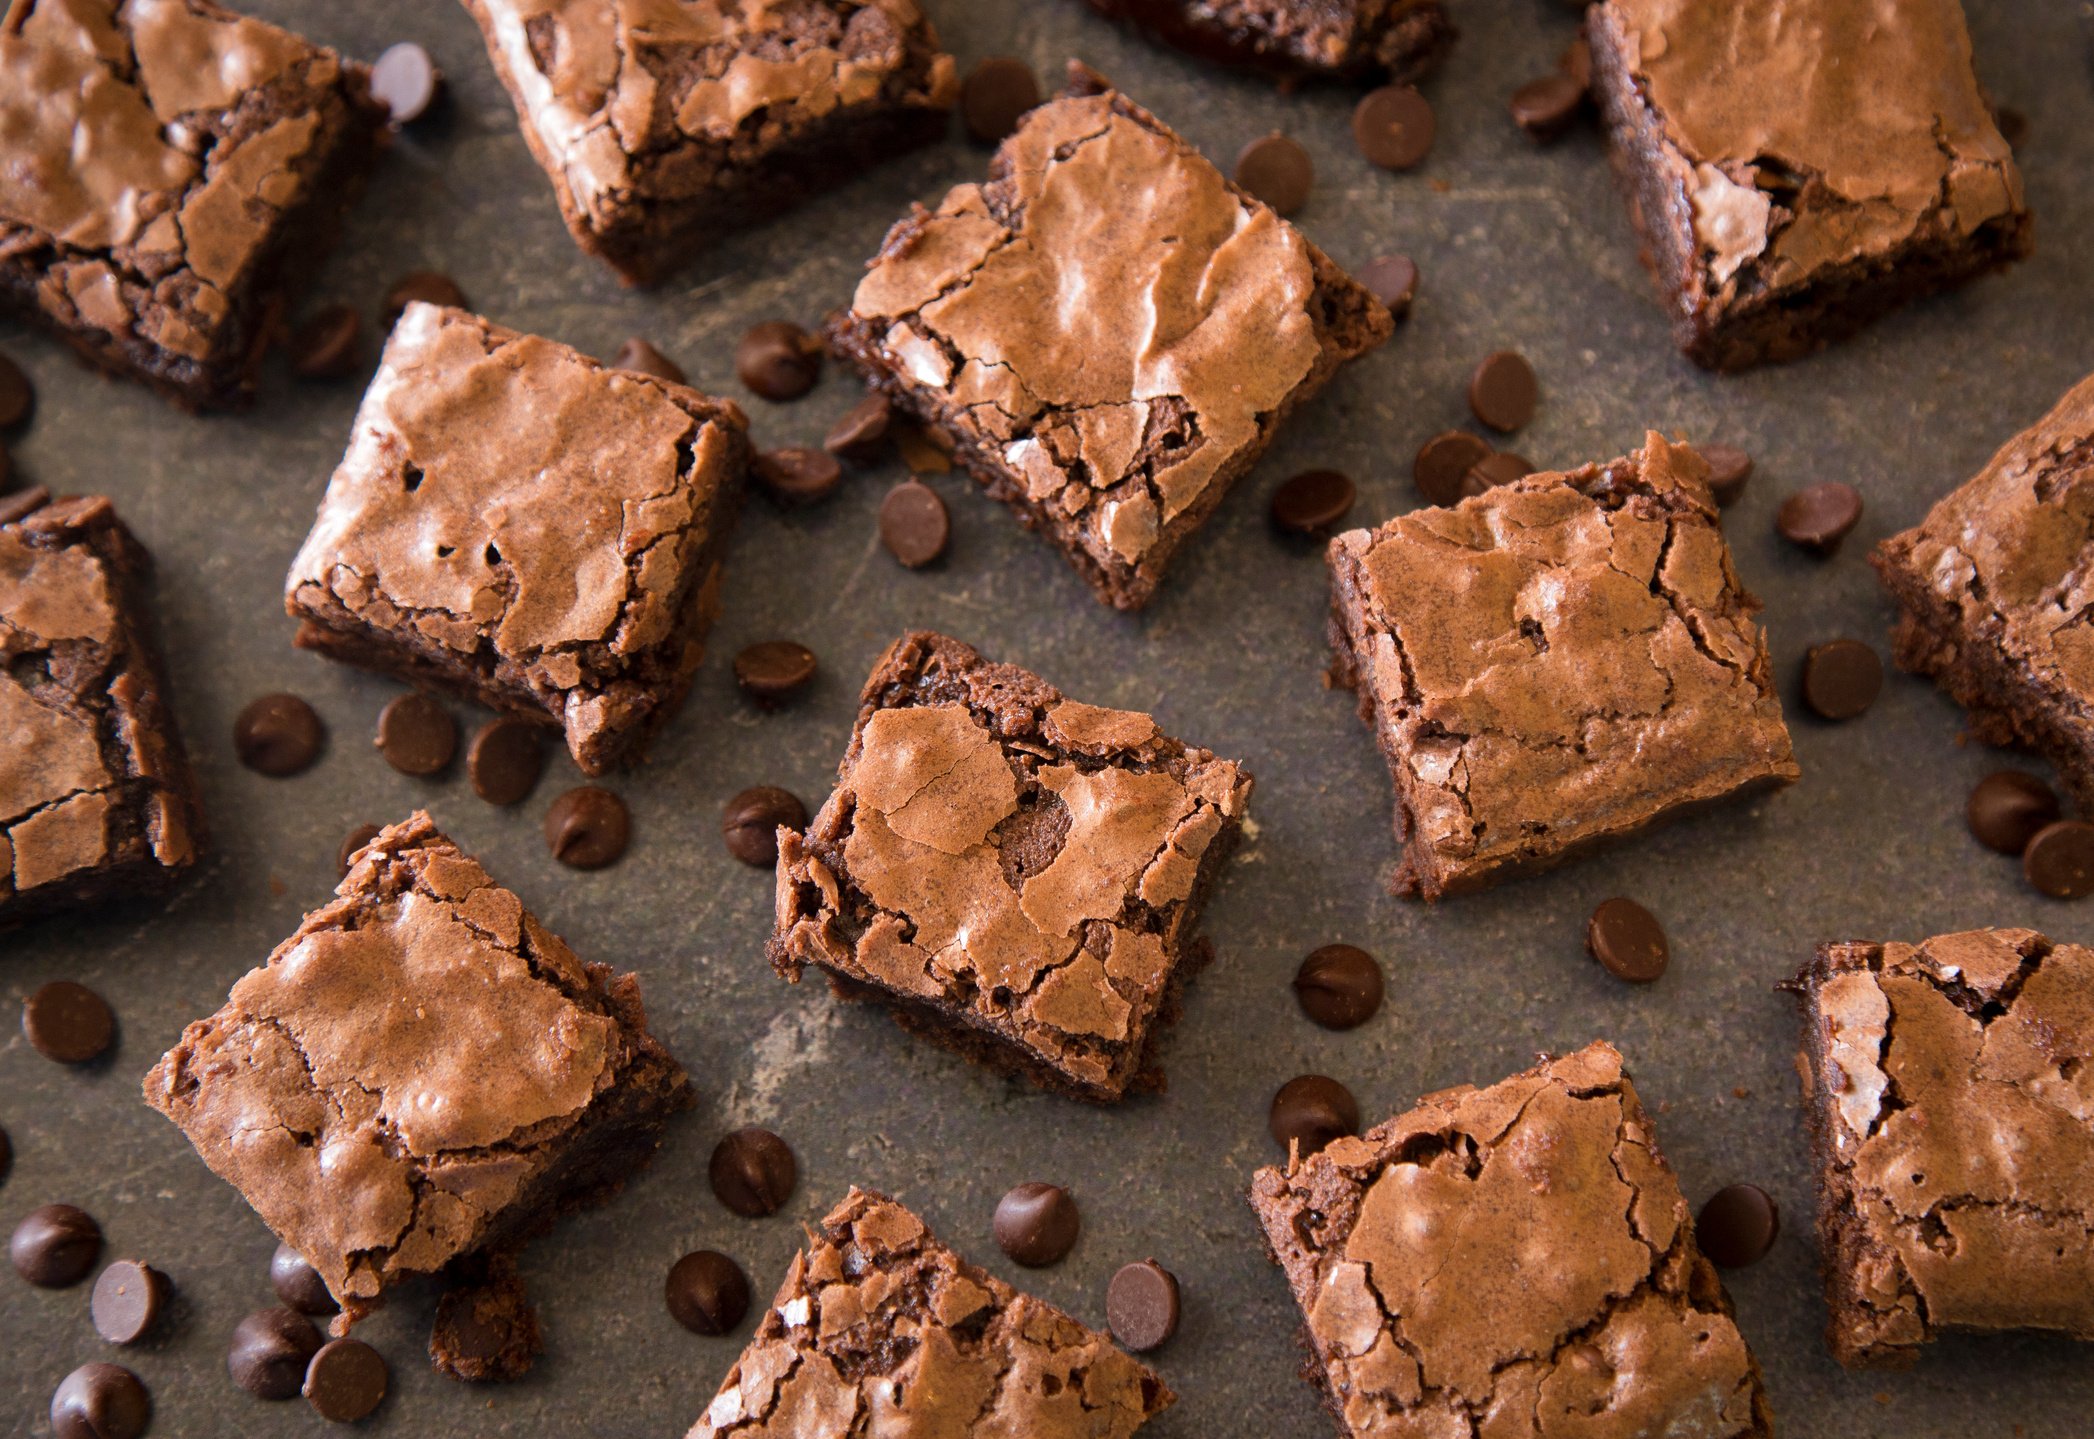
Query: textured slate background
[(1520, 247)]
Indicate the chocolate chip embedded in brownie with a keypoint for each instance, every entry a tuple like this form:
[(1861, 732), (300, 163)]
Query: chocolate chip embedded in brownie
[(1518, 1255), (1403, 40), (1556, 662), (97, 801), (1107, 333), (1951, 1109), (1798, 170), (525, 527), (1016, 873), (880, 1329)]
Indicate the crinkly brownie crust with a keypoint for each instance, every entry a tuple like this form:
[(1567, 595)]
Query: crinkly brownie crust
[(1401, 40)]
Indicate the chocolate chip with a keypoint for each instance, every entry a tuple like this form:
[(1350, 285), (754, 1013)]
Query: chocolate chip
[(774, 671), (127, 1301), (68, 1022), (778, 360), (278, 735), (707, 1293), (588, 827), (995, 96), (1393, 280), (353, 841), (1442, 463), (1729, 469), (1841, 678), (1738, 1226), (1819, 517), (270, 1352), (1499, 467), (298, 1284), (345, 1381), (753, 1172), (417, 735), (1036, 1224), (2059, 861), (797, 475), (1503, 391), (750, 823), (1339, 986), (100, 1401), (486, 1328), (1311, 1111), (55, 1246), (406, 81), (1141, 1305), (2006, 809), (329, 344), (913, 524), (505, 759), (1277, 170), (17, 395), (28, 502), (861, 436), (1546, 106), (429, 286), (1627, 938), (1393, 127), (1312, 502), (643, 358)]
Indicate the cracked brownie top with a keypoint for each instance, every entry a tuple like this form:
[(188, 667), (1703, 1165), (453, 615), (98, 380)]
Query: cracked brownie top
[(1515, 1260), (880, 1329)]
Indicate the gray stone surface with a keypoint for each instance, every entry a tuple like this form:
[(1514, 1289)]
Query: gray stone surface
[(1519, 246)]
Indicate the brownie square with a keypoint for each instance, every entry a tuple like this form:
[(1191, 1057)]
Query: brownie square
[(664, 126), (880, 1329), (1797, 170), (421, 1073), (1993, 589), (97, 802), (1016, 873), (1510, 1260), (522, 526), (1554, 663), (1107, 333), (1402, 40), (168, 170), (1951, 1105)]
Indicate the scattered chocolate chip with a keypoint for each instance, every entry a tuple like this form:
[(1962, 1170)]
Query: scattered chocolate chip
[(753, 1172), (797, 475), (1841, 679), (68, 1022), (750, 823), (588, 827), (1312, 1111), (1546, 106), (127, 1301), (1141, 1305), (778, 360), (1628, 940), (1312, 502), (2006, 809), (1393, 280), (1036, 1224), (1276, 169), (486, 1328), (55, 1246), (278, 735), (773, 671), (430, 286), (406, 81), (861, 436), (913, 524), (17, 395), (298, 1284), (329, 344), (505, 759), (270, 1352), (995, 96), (1339, 986), (707, 1293), (1737, 1226), (1499, 467), (1819, 517), (28, 502), (1443, 461), (100, 1401), (643, 358), (345, 1381), (1503, 391), (1576, 62), (417, 735), (2059, 861), (1729, 469), (353, 841), (1393, 127)]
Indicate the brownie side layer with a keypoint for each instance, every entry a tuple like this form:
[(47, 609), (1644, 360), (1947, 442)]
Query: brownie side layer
[(1400, 40)]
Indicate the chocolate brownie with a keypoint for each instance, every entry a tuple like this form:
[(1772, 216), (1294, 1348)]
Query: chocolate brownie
[(421, 1074), (1016, 873), (1403, 40), (1951, 1105), (97, 802), (1992, 586), (1515, 1260), (880, 1329), (167, 170), (1554, 663), (1107, 333), (1797, 170), (666, 125), (522, 526)]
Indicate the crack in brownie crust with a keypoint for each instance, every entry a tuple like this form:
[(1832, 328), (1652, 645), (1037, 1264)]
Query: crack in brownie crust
[(1404, 40), (1951, 1100)]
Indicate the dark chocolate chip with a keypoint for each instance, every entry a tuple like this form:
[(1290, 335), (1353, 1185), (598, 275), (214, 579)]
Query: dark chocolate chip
[(270, 1352), (773, 671), (353, 841), (1036, 1224), (298, 1284), (643, 358), (28, 502), (1499, 467), (1546, 106), (417, 735), (486, 1328), (750, 823), (1393, 280), (1311, 1111), (753, 1172), (68, 1022), (861, 436), (1729, 469), (1819, 517), (1576, 62), (278, 735), (1141, 1305), (329, 345), (995, 96), (345, 1381), (505, 759), (913, 524), (1443, 461), (1841, 678), (778, 360), (1313, 502), (1627, 938), (2059, 861), (707, 1293), (1393, 127), (798, 475), (1277, 170), (430, 286), (1503, 391), (100, 1401), (406, 81), (2007, 807), (588, 827), (127, 1301), (1737, 1226), (55, 1246), (17, 395), (1339, 986)]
